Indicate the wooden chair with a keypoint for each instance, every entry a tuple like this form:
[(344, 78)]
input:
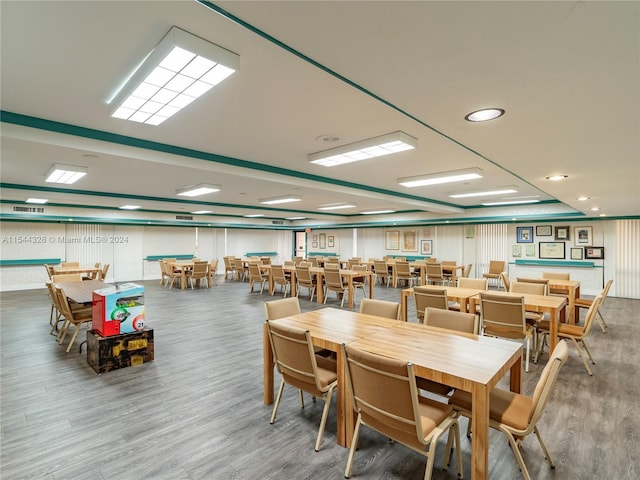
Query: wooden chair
[(213, 270), (333, 281), (380, 308), (70, 264), (429, 297), (435, 275), (50, 270), (447, 269), (163, 272), (533, 288), (464, 282), (538, 281), (229, 266), (305, 280), (240, 270), (200, 271), (504, 316), (496, 267), (506, 282), (102, 274), (586, 303), (403, 272), (255, 276), (172, 274), (517, 415), (281, 308), (279, 278), (66, 277), (386, 398), (557, 276), (467, 270), (71, 317), (575, 333), (361, 282), (381, 270), (301, 368)]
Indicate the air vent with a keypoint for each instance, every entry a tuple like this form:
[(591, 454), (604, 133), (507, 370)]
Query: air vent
[(22, 209), (184, 217), (277, 222)]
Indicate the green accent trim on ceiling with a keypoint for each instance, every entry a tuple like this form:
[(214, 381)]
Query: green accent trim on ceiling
[(75, 130), (30, 261), (555, 263), (152, 258)]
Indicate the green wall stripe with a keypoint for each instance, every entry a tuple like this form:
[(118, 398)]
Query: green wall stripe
[(30, 261), (261, 254), (554, 263), (152, 258)]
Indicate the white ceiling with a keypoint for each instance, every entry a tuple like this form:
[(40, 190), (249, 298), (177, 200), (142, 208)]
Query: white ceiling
[(567, 74)]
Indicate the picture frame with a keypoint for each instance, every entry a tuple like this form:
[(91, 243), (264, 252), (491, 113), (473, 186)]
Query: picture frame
[(314, 244), (577, 253), (468, 231), (331, 241), (594, 253), (426, 247), (530, 250), (562, 233), (583, 236), (544, 231), (314, 238), (552, 250), (524, 234), (392, 240), (323, 240), (410, 241), (516, 250)]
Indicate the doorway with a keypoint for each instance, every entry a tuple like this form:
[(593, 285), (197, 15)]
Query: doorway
[(300, 246)]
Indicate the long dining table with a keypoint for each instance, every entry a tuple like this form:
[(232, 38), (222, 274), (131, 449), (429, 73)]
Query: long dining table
[(469, 362), (81, 292), (87, 269)]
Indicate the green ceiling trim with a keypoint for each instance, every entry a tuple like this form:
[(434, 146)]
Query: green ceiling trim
[(75, 130)]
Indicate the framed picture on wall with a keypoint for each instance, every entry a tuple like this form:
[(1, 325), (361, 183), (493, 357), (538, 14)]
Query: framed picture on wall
[(543, 231), (582, 236), (554, 250), (410, 241), (524, 234), (314, 244), (314, 238), (516, 250), (594, 253), (323, 240), (576, 253), (331, 241), (426, 247), (392, 240), (562, 233), (530, 250)]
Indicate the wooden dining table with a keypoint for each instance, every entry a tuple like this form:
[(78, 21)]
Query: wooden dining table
[(182, 266), (573, 291), (65, 270), (469, 362), (81, 292), (454, 294)]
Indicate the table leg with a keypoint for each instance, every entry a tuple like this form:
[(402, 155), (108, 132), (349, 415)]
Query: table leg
[(320, 288), (515, 376), (183, 279), (267, 366), (553, 328), (480, 431), (404, 296), (346, 417), (294, 287), (351, 292), (573, 294), (272, 285), (371, 280)]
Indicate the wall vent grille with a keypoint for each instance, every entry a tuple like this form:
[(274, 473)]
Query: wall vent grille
[(21, 209), (184, 217)]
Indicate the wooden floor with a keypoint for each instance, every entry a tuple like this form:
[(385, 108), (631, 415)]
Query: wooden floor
[(196, 412)]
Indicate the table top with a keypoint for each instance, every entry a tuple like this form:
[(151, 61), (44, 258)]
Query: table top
[(452, 292), (81, 292), (542, 301), (88, 269)]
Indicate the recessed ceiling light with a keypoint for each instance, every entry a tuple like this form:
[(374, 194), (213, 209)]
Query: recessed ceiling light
[(197, 190), (67, 174), (583, 199), (283, 199), (295, 218), (603, 215), (374, 212), (129, 207), (509, 202), (37, 200), (254, 215), (484, 115), (557, 178), (441, 177), (595, 209), (336, 206), (500, 191), (202, 212)]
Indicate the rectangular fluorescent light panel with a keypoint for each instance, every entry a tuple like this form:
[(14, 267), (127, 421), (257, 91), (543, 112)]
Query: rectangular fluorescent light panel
[(501, 191), (370, 148), (374, 212), (130, 207), (202, 212), (197, 190), (336, 206), (181, 68), (295, 218), (254, 215), (39, 201), (442, 177), (509, 202), (67, 174), (277, 200)]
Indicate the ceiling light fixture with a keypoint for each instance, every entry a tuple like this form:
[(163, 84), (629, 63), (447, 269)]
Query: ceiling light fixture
[(295, 218), (365, 149), (509, 202), (374, 212), (336, 206), (181, 68), (129, 207), (583, 199), (283, 199), (557, 178), (484, 115), (500, 191), (202, 212), (40, 201), (254, 215), (197, 190), (67, 174), (441, 177), (595, 209)]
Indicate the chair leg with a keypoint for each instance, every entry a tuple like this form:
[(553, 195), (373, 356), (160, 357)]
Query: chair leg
[(526, 368), (275, 407), (354, 444), (323, 421), (584, 360), (73, 338), (547, 455), (455, 431), (518, 454), (601, 322)]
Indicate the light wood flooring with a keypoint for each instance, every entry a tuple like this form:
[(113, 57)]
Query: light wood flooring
[(196, 412)]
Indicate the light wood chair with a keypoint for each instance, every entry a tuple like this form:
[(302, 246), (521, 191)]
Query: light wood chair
[(200, 271), (94, 275), (70, 264), (464, 282), (66, 277), (381, 270), (496, 267), (586, 303), (386, 398), (281, 308), (380, 308), (71, 317), (435, 275), (467, 270), (538, 281), (102, 274), (403, 272), (172, 274), (575, 333), (229, 266), (517, 415), (333, 281), (213, 270), (429, 297), (305, 280), (279, 278), (301, 368), (504, 316), (240, 270), (361, 282), (533, 288), (447, 269), (256, 276), (564, 292), (506, 282)]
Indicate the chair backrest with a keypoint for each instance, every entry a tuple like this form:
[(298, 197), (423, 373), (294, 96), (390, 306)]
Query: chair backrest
[(496, 266), (429, 297), (294, 356), (547, 381), (401, 259), (49, 270), (331, 266), (238, 263), (452, 320), (480, 283), (103, 273), (332, 259), (532, 288), (304, 264), (200, 268), (402, 268), (66, 277), (591, 315), (449, 263), (467, 270), (333, 278), (432, 260), (213, 266), (254, 272), (380, 266), (434, 270), (314, 261), (539, 281), (297, 260), (265, 260), (281, 308), (384, 393), (289, 263), (605, 292), (71, 264), (380, 308), (556, 275), (229, 262), (505, 280), (503, 315), (303, 274), (278, 274)]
